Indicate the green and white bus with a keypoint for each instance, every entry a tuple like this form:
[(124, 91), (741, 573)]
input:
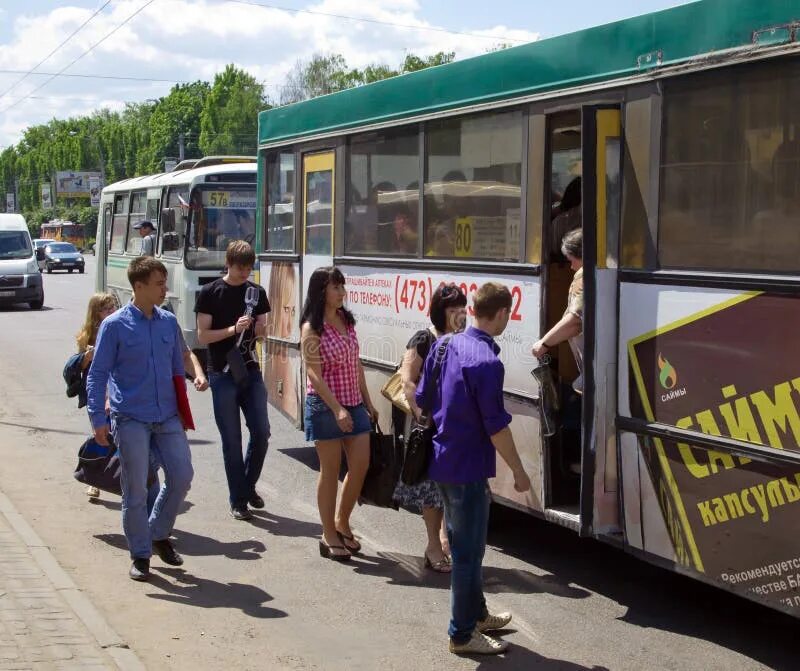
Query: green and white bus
[(673, 140), (196, 212)]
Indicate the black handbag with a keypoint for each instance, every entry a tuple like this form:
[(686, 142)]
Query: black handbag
[(385, 462), (99, 466), (419, 444)]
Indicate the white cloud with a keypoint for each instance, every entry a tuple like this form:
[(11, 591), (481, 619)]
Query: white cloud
[(183, 40)]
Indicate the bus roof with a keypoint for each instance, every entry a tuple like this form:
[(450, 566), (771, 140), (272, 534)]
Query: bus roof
[(614, 51), (178, 176)]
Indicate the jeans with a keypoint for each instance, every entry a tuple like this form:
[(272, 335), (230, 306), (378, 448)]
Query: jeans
[(135, 440), (466, 510), (251, 397)]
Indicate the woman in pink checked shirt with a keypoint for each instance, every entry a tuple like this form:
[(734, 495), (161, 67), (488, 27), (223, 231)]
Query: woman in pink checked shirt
[(338, 413)]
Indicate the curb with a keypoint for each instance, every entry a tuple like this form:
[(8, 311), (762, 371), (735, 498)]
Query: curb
[(84, 609)]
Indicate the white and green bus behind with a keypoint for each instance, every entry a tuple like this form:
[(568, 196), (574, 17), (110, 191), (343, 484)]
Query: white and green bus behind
[(196, 213), (673, 140)]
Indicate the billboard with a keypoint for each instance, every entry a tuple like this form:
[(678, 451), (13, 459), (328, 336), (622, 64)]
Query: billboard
[(10, 202), (730, 371), (95, 188), (75, 184), (47, 196)]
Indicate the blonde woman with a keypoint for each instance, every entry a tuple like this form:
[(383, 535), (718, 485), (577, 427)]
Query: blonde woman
[(100, 306)]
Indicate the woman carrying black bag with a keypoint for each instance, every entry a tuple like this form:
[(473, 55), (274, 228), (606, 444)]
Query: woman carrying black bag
[(448, 315)]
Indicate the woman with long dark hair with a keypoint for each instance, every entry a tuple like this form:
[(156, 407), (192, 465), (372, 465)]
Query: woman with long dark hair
[(338, 412)]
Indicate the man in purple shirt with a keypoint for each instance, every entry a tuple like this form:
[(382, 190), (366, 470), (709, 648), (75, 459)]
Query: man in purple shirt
[(139, 350), (471, 425)]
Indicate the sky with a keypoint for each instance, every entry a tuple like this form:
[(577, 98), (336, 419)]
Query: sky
[(157, 43)]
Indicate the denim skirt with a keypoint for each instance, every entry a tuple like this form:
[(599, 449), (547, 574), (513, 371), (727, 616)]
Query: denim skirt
[(320, 422)]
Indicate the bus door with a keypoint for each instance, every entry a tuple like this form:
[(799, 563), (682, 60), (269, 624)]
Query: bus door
[(101, 245), (601, 199)]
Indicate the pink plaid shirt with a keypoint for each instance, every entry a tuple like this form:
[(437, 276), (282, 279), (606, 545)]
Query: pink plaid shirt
[(339, 356)]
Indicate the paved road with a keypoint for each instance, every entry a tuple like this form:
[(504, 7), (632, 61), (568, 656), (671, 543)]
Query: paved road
[(257, 595)]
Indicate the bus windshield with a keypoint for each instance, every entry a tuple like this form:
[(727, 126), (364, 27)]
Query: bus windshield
[(14, 245), (220, 213)]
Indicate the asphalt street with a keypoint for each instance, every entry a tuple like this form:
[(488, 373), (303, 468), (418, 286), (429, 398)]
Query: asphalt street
[(258, 596)]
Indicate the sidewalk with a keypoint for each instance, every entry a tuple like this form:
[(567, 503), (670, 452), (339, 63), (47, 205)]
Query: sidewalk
[(46, 622)]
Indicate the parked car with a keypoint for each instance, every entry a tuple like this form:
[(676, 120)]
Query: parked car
[(62, 256), (40, 243)]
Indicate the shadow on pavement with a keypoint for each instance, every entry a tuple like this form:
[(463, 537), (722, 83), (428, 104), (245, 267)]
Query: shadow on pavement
[(48, 429), (655, 597), (408, 570), (115, 503), (204, 593), (284, 526), (522, 659)]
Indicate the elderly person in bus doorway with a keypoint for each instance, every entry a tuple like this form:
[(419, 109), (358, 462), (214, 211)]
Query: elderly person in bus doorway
[(471, 425), (148, 234), (570, 326)]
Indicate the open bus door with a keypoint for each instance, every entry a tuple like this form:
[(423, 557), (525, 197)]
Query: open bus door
[(101, 245), (602, 188)]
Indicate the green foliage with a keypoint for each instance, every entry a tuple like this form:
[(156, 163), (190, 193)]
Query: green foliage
[(229, 120), (218, 118)]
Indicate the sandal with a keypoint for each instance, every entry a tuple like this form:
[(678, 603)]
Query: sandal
[(355, 548), (325, 552), (441, 566)]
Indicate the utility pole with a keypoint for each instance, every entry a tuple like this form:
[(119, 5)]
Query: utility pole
[(16, 195), (180, 147)]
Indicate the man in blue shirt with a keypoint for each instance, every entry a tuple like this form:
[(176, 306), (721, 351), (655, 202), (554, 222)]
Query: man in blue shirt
[(471, 426), (137, 354)]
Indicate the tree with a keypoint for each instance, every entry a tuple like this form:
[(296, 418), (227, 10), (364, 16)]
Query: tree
[(229, 120), (176, 114)]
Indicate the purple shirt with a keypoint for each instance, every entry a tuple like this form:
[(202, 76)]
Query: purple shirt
[(467, 407)]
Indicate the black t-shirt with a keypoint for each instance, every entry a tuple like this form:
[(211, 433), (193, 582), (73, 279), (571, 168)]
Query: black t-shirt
[(225, 304)]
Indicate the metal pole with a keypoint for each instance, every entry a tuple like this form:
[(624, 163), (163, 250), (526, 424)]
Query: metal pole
[(181, 149)]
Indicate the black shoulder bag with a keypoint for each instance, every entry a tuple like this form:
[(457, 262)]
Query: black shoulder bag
[(419, 445)]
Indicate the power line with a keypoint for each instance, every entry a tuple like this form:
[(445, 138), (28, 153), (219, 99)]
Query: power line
[(95, 45), (87, 76), (44, 60), (376, 21)]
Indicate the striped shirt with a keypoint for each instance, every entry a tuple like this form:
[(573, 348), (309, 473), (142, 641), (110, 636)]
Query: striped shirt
[(339, 355)]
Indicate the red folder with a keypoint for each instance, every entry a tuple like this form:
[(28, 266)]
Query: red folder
[(182, 398)]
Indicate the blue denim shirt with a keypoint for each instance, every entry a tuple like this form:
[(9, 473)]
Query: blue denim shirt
[(136, 358), (467, 407)]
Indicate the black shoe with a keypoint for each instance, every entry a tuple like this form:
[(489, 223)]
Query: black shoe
[(256, 501), (140, 570), (167, 553), (241, 513)]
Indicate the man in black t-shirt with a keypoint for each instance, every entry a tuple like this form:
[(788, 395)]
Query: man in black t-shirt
[(222, 320)]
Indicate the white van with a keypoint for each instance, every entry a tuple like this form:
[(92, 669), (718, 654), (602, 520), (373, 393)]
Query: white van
[(20, 280)]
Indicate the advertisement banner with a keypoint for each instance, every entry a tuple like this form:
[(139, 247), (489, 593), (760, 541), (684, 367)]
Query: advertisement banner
[(10, 202), (732, 371), (390, 307), (47, 196), (95, 189), (74, 184)]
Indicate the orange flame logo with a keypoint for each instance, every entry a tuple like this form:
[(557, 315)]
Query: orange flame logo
[(667, 375)]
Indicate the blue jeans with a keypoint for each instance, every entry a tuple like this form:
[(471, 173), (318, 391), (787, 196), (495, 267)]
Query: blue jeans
[(251, 397), (466, 512), (135, 441)]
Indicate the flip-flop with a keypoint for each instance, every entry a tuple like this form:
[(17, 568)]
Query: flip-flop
[(441, 566), (353, 549), (325, 552)]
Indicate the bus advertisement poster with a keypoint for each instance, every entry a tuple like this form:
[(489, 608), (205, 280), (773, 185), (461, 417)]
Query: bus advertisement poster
[(734, 518), (390, 307)]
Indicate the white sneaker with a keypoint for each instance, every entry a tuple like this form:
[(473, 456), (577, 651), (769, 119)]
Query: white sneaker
[(494, 622), (92, 492), (479, 644)]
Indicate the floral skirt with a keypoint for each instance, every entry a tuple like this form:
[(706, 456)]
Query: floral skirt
[(423, 495)]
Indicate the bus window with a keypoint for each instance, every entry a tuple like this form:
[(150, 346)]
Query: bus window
[(220, 214), (120, 228), (280, 202), (383, 193), (173, 223), (730, 170), (138, 213), (473, 188)]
